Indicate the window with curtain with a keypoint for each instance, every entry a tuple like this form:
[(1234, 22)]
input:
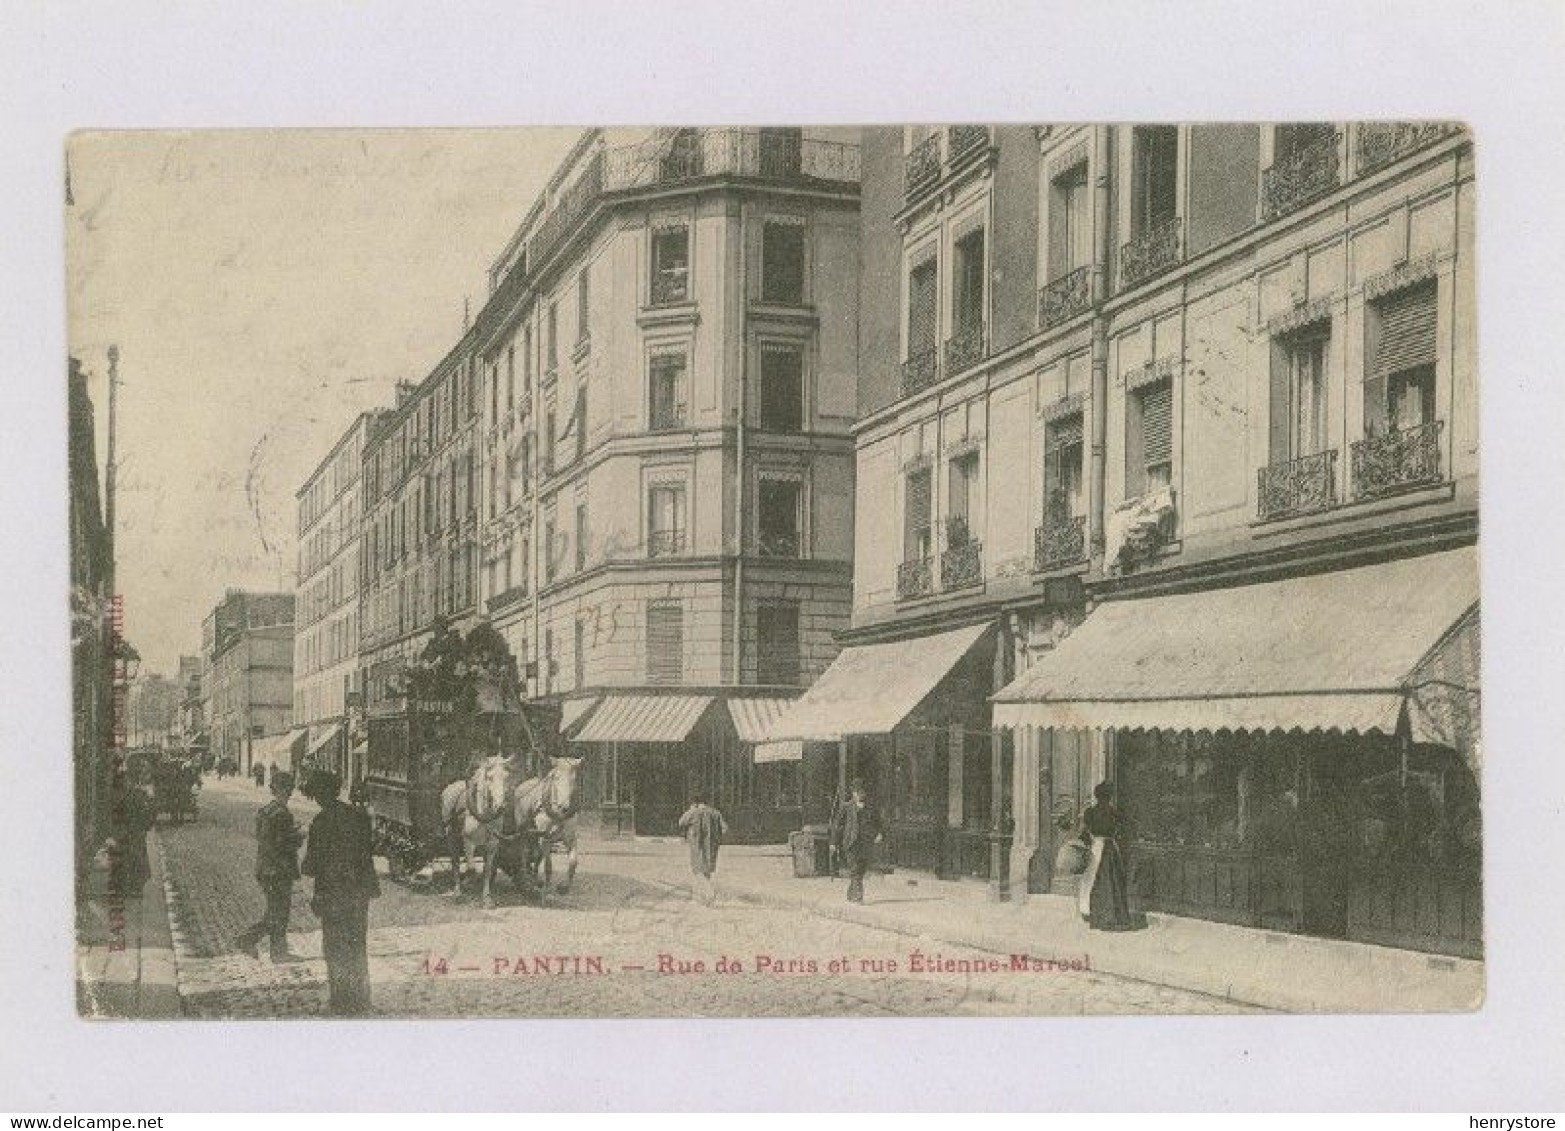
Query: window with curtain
[(1298, 394), (1070, 227), (666, 392), (1063, 453), (665, 519), (962, 487), (670, 264), (917, 543), (967, 283), (922, 308), (1399, 387), (1154, 176)]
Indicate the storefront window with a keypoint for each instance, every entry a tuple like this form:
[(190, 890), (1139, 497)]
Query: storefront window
[(1206, 791)]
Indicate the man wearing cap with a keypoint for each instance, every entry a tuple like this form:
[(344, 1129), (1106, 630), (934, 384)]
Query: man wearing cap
[(276, 868), (340, 857), (855, 830)]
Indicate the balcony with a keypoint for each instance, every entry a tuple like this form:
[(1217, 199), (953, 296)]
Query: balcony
[(1150, 252), (921, 167), (502, 600), (1381, 143), (670, 286), (967, 347), (1297, 179), (1297, 487), (1065, 297), (920, 371), (574, 203), (962, 141), (668, 418), (665, 543), (763, 154), (1059, 543), (1395, 461), (915, 578), (962, 565)]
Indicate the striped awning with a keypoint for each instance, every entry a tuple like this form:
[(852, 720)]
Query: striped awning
[(1326, 652), (753, 717), (573, 711), (1442, 693), (644, 718)]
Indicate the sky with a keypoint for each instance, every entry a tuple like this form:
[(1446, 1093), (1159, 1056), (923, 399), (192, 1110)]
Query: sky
[(264, 288)]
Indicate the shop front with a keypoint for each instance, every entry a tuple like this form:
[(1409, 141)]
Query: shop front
[(1297, 755), (909, 718)]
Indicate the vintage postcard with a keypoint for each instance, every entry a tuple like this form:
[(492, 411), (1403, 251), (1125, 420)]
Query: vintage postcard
[(969, 569)]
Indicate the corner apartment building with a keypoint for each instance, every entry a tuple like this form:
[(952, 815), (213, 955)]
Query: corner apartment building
[(1168, 442), (247, 651), (326, 635), (665, 464)]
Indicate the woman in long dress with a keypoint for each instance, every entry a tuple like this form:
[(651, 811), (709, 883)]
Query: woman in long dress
[(1105, 902)]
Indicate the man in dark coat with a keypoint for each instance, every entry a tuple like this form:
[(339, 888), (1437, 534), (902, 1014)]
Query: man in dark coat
[(855, 830), (340, 857), (704, 830), (276, 868)]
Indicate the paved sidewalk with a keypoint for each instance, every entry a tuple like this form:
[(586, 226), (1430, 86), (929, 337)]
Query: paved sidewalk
[(1270, 969), (124, 948)]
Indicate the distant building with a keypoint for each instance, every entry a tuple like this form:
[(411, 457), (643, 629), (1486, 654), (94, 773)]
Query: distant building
[(191, 726), (247, 646), (154, 709), (326, 633)]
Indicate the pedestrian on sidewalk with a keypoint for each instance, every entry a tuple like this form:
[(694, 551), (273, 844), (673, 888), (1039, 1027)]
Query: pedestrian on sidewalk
[(276, 869), (130, 817), (1104, 896), (704, 830), (855, 830), (340, 857)]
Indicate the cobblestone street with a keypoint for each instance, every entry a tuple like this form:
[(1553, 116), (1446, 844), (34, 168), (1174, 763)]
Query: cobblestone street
[(593, 952)]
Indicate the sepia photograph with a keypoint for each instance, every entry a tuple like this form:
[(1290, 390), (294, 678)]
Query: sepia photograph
[(972, 569)]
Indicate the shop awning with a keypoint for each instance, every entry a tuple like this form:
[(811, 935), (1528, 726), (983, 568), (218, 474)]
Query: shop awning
[(870, 688), (573, 711), (644, 718), (754, 716), (1332, 651), (1443, 698), (328, 736)]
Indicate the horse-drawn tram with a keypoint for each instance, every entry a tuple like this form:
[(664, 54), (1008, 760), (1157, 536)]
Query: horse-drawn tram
[(459, 717)]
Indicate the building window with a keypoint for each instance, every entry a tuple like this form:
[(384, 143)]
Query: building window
[(1399, 390), (527, 355), (548, 665), (1298, 395), (782, 151), (550, 549), (551, 338), (777, 643), (1150, 448), (581, 537), (779, 517), (1070, 222), (665, 641), (782, 388), (962, 504), (666, 520), (782, 262), (579, 656), (548, 440), (583, 305), (923, 307), (681, 159), (666, 392), (527, 462), (1063, 452), (1154, 177), (967, 284), (917, 544), (1291, 139), (510, 377), (494, 394), (670, 264)]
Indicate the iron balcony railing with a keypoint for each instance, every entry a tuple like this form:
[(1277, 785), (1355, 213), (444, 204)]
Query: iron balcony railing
[(1306, 174), (921, 167), (963, 140), (670, 285), (920, 371), (1065, 297), (568, 211), (961, 566), (665, 543), (1398, 460), (915, 578), (669, 418), (967, 347), (1150, 252), (732, 152), (1381, 143), (778, 544), (507, 597), (1060, 543), (1297, 486)]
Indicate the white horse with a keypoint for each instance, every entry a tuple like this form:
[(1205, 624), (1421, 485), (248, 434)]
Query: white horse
[(545, 809), (473, 814)]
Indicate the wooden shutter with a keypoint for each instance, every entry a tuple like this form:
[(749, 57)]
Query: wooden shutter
[(1407, 330), (915, 513), (665, 641), (921, 309), (1280, 403), (1157, 424)]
